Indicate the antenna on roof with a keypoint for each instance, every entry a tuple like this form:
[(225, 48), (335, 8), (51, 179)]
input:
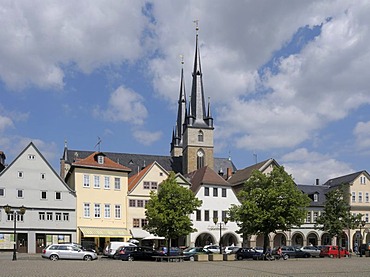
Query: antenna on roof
[(98, 144), (255, 157)]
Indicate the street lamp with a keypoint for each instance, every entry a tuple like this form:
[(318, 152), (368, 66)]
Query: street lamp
[(215, 220), (15, 213), (361, 224)]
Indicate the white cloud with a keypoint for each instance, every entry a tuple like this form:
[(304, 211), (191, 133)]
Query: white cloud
[(146, 137), (43, 39), (5, 122), (306, 166), (362, 133), (125, 105)]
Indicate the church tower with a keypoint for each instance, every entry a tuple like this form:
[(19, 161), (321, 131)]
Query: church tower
[(197, 138)]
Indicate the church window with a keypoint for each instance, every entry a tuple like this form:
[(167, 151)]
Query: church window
[(200, 159), (200, 136)]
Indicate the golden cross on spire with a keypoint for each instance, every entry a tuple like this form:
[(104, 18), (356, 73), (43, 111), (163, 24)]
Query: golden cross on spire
[(182, 59), (196, 21)]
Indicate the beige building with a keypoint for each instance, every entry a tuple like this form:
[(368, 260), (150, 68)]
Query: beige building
[(101, 199)]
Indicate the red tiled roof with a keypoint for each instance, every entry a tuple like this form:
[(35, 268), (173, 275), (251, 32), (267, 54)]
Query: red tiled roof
[(133, 180), (91, 161)]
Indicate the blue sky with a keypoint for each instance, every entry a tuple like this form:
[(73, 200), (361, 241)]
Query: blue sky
[(287, 80)]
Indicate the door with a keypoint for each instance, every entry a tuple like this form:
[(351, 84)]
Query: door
[(40, 242), (22, 243)]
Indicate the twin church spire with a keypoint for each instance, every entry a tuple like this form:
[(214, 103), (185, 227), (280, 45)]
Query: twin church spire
[(193, 114)]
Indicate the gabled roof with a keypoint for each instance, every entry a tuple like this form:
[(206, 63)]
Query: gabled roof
[(205, 176), (309, 190), (31, 145), (346, 179), (135, 179), (240, 176), (91, 161)]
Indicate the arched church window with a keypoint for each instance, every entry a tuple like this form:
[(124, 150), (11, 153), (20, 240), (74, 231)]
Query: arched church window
[(200, 136), (200, 159)]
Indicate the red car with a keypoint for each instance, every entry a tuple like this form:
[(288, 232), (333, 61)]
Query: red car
[(332, 252)]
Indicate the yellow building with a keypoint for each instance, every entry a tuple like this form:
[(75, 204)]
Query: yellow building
[(101, 199)]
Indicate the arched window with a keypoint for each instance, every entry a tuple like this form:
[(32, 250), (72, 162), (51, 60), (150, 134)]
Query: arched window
[(200, 136), (200, 159)]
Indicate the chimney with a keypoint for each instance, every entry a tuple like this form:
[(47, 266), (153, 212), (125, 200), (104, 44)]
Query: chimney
[(317, 182), (229, 173)]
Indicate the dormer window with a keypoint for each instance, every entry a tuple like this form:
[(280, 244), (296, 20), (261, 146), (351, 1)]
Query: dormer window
[(316, 197), (100, 159)]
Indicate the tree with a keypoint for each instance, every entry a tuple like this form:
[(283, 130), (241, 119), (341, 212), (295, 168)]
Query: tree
[(269, 203), (168, 210), (337, 214)]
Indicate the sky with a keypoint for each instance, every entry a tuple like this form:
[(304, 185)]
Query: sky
[(286, 79)]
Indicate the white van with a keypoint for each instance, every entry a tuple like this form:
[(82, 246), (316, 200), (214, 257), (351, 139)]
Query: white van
[(111, 248)]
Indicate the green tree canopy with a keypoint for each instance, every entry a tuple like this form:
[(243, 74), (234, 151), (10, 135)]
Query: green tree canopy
[(269, 202), (337, 215), (168, 210)]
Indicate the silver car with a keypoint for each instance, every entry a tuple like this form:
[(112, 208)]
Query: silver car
[(55, 252), (315, 252)]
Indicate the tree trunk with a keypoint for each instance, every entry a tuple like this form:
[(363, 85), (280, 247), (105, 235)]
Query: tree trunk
[(266, 242)]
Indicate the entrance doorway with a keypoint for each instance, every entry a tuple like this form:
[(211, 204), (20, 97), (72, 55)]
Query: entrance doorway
[(22, 243), (40, 242)]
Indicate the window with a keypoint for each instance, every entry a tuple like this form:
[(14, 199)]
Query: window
[(117, 183), (107, 211), (96, 182), (41, 215), (20, 217), (146, 202), (43, 195), (366, 218), (366, 197), (97, 210), (100, 159), (117, 211), (58, 195), (200, 136), (49, 216), (215, 192), (223, 192), (362, 180), (106, 182), (132, 203), (308, 218), (215, 214), (224, 215), (146, 185), (153, 185), (10, 217), (136, 223), (43, 176), (144, 222), (316, 197), (198, 215), (200, 159), (140, 203), (2, 192), (315, 215), (360, 197), (206, 191), (353, 197), (86, 209), (20, 193), (161, 174), (86, 181), (20, 174), (206, 215), (31, 157), (66, 216), (58, 216)]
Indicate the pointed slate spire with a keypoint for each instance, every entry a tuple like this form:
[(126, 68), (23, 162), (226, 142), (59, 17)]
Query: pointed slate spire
[(197, 105), (181, 111)]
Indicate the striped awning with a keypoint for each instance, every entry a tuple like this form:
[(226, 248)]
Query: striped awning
[(105, 232)]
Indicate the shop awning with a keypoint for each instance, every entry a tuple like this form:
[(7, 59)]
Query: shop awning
[(139, 233), (153, 237), (105, 232)]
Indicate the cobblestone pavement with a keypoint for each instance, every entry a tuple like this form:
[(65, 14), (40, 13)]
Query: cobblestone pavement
[(31, 265)]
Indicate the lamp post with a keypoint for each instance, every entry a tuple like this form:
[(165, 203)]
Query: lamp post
[(15, 213), (361, 224), (215, 220)]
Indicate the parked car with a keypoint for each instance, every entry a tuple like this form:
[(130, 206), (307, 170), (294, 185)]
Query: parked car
[(55, 252), (314, 251), (364, 247), (190, 253), (112, 247), (139, 253), (292, 252), (212, 248), (231, 249), (174, 251), (258, 249), (248, 253), (332, 251)]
